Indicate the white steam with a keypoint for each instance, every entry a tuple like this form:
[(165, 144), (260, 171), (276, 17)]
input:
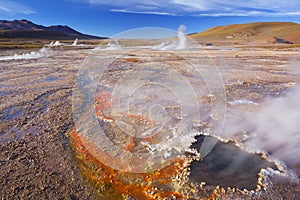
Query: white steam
[(275, 128), (75, 42), (181, 37), (113, 45), (26, 56), (180, 44), (56, 43)]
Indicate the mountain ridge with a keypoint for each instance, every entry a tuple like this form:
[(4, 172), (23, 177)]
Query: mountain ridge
[(27, 29)]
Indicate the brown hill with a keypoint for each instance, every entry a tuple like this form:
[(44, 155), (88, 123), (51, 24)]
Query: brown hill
[(26, 29), (252, 33), (19, 25)]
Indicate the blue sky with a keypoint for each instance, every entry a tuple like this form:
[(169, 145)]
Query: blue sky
[(109, 17)]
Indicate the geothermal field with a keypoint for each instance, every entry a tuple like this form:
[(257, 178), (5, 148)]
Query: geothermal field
[(150, 119)]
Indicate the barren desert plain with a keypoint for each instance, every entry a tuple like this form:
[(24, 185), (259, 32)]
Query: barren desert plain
[(245, 98)]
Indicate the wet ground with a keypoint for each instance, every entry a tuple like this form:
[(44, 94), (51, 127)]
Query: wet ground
[(38, 162)]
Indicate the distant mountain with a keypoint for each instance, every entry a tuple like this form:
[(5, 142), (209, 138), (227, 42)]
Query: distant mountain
[(252, 33), (26, 29), (20, 25), (63, 29)]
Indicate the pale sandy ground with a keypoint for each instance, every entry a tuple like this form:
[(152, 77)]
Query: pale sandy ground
[(36, 161)]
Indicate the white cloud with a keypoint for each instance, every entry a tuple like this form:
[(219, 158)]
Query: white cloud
[(141, 12), (4, 9), (204, 7), (193, 5), (251, 13), (10, 7)]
